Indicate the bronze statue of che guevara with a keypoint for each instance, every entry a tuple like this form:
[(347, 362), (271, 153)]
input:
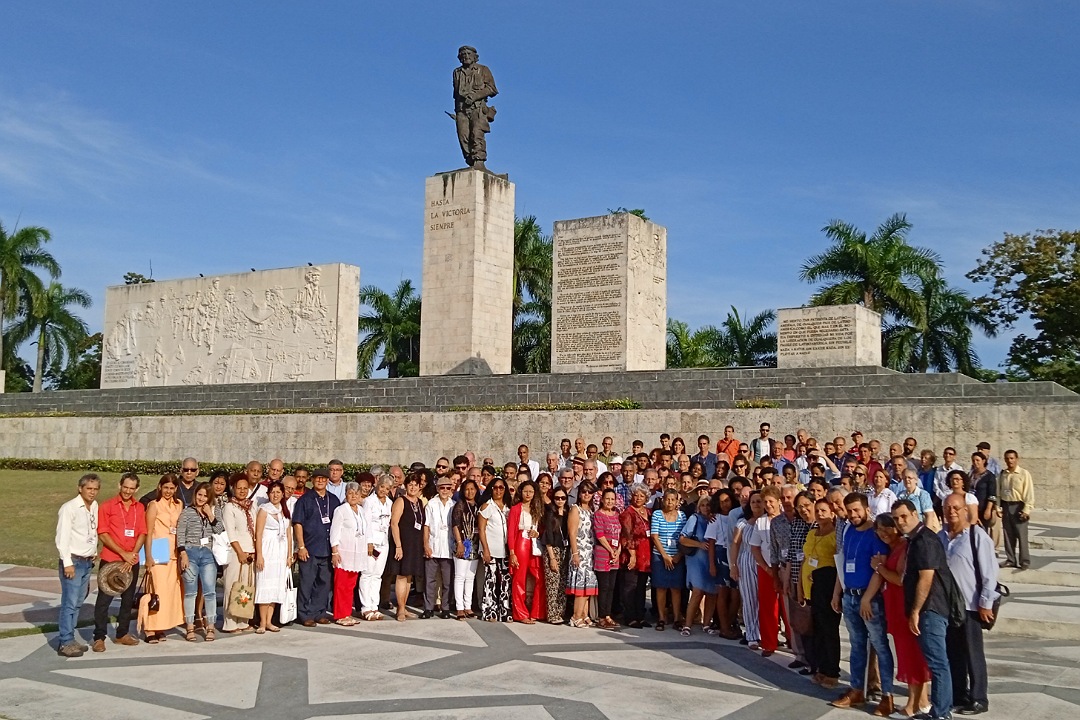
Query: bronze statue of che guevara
[(473, 85)]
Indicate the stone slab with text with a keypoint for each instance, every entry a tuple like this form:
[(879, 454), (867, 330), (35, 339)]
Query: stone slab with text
[(466, 318), (267, 326), (828, 336), (609, 302)]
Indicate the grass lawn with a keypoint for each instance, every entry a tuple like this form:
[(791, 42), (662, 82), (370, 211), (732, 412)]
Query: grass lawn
[(31, 500)]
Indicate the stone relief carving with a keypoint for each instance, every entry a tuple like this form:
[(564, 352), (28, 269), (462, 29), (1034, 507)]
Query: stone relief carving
[(207, 331)]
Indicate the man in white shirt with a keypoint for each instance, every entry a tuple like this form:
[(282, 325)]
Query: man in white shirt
[(438, 549), (948, 464), (523, 456), (76, 543)]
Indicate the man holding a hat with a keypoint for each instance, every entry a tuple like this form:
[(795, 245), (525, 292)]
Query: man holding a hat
[(438, 548), (122, 529)]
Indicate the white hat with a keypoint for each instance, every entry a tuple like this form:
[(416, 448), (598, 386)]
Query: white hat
[(617, 459)]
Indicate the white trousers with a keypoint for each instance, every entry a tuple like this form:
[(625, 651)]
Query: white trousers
[(464, 579), (371, 582)]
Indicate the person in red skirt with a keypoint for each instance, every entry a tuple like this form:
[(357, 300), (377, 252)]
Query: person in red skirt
[(911, 667)]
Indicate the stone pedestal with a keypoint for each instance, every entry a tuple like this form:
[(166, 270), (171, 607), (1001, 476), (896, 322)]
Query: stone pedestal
[(609, 303), (468, 282), (828, 336)]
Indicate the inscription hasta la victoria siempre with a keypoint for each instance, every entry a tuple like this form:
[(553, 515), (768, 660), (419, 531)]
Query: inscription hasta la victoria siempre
[(441, 212)]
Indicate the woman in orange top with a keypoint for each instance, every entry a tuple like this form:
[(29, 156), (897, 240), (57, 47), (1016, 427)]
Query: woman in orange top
[(161, 515)]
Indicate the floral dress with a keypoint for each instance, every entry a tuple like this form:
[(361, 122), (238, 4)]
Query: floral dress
[(581, 580)]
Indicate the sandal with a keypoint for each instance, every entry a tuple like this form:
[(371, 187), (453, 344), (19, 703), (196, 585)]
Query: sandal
[(659, 625), (152, 639), (260, 631), (190, 635), (685, 631), (208, 636), (273, 628)]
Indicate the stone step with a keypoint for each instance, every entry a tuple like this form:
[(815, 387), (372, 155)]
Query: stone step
[(1049, 612)]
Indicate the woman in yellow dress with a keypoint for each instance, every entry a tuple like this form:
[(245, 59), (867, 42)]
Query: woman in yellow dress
[(161, 516)]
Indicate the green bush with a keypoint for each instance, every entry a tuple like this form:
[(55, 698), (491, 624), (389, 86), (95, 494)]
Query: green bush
[(755, 403), (617, 404), (151, 467)]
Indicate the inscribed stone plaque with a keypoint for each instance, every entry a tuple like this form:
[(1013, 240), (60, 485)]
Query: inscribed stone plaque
[(609, 306), (466, 319), (266, 326), (828, 336)]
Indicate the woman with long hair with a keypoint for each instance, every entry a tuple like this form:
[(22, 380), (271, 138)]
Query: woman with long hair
[(406, 542), (554, 541), (493, 533), (525, 558), (239, 519), (744, 567), (273, 537), (544, 484), (636, 554), (197, 525), (464, 519), (816, 589), (718, 538), (581, 578), (666, 564), (162, 514)]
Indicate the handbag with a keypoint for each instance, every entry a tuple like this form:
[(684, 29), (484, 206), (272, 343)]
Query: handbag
[(288, 607), (242, 595), (147, 594), (219, 546), (693, 535), (1002, 590), (802, 619)]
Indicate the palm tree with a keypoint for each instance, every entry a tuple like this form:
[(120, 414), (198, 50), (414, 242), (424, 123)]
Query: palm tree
[(941, 339), (20, 253), (57, 331), (391, 329), (532, 338), (880, 271), (532, 263), (700, 348), (749, 344)]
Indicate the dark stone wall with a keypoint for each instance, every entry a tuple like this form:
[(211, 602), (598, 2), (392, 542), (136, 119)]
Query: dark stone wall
[(668, 389)]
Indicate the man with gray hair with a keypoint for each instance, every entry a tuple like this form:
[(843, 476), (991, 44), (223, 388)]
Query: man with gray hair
[(189, 473), (76, 542)]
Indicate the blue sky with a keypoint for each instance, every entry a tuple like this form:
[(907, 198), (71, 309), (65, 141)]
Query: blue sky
[(214, 137)]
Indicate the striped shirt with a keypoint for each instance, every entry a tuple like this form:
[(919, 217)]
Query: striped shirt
[(668, 531), (192, 528)]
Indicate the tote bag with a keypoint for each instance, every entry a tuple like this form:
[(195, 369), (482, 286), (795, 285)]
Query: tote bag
[(288, 607), (242, 595)]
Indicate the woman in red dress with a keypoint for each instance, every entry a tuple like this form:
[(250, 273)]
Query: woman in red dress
[(911, 667)]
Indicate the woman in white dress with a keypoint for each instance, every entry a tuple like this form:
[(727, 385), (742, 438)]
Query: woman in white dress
[(239, 519), (377, 509), (274, 540), (348, 552)]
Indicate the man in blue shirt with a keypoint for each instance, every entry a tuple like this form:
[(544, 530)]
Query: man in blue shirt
[(311, 518), (860, 543), (707, 459)]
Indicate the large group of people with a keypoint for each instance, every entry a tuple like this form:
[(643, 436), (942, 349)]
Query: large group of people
[(770, 543)]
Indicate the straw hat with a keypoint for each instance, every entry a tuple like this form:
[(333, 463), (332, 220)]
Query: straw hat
[(114, 578)]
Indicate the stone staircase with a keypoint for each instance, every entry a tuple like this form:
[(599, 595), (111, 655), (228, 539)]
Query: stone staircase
[(1045, 600)]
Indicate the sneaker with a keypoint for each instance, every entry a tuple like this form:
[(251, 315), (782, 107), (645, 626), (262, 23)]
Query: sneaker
[(71, 650)]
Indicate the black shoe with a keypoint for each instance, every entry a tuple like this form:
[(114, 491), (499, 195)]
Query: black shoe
[(445, 615), (796, 664), (806, 671), (426, 615), (1025, 566), (744, 641), (1007, 564), (976, 708)]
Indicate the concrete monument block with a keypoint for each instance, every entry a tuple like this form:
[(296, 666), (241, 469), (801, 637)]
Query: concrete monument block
[(609, 303), (267, 326), (468, 279), (828, 336)]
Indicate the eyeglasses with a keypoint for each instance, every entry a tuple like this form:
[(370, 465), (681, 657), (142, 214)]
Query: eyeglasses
[(585, 492), (560, 497), (189, 469), (497, 487), (442, 467), (859, 474)]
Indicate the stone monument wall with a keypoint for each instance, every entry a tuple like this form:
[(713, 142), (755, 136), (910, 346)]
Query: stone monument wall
[(609, 301), (828, 336), (268, 326), (468, 277)]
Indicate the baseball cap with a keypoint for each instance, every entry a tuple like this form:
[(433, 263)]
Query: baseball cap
[(444, 482)]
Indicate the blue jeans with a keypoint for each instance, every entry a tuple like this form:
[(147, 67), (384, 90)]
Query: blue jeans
[(72, 594), (201, 568), (860, 632), (932, 628)]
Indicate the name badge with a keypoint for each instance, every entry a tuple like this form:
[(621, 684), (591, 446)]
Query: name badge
[(813, 562), (416, 526), (204, 541), (172, 531), (614, 543), (783, 554), (801, 556), (129, 533), (326, 521), (849, 566)]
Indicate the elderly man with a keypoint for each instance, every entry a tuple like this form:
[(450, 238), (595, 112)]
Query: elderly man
[(189, 473), (336, 484), (553, 464), (76, 542), (970, 553), (926, 603), (311, 520)]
